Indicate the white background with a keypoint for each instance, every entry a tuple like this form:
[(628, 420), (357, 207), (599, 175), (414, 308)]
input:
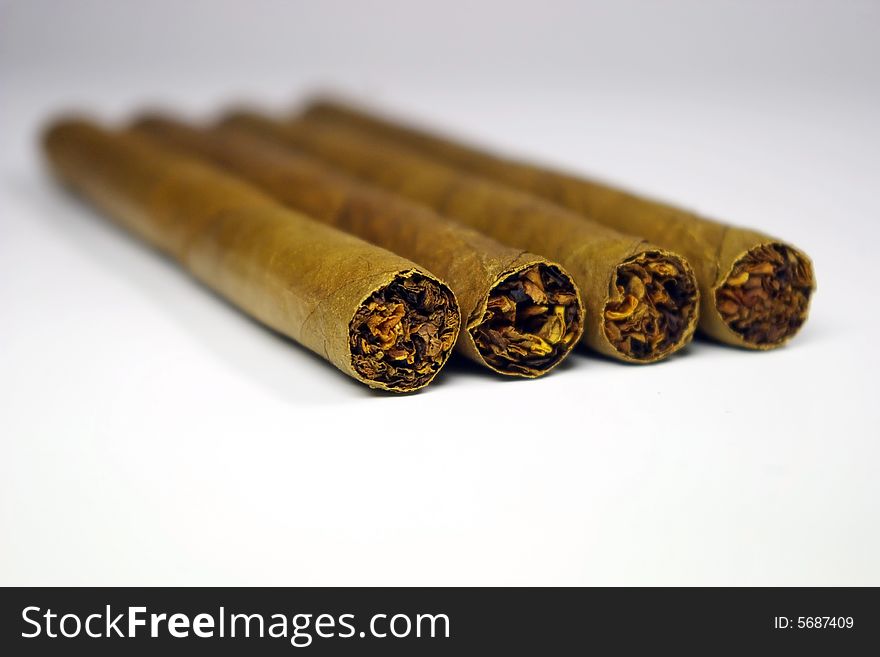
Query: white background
[(151, 434)]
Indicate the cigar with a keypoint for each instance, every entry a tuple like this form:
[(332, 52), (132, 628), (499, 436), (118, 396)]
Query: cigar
[(755, 289), (373, 314), (641, 300), (523, 313)]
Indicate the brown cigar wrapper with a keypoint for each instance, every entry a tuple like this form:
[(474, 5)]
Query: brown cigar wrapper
[(712, 248), (591, 253), (301, 278), (472, 263)]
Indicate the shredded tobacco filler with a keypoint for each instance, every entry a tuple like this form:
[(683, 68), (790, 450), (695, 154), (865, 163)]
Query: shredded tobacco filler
[(755, 289), (374, 315), (523, 313), (641, 300)]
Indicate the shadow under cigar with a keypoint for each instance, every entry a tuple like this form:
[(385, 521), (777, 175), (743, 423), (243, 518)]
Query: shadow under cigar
[(460, 367)]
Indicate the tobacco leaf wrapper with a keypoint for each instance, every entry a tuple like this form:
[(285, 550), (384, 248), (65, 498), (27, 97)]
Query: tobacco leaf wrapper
[(373, 314), (523, 313), (755, 289), (641, 300)]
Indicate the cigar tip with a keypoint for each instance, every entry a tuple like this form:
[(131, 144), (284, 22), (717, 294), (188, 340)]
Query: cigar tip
[(237, 112), (58, 126), (765, 297), (149, 118), (654, 309), (325, 99), (402, 335), (533, 319)]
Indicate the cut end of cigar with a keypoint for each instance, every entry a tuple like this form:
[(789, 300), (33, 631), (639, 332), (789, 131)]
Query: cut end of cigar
[(766, 296), (532, 321), (403, 333), (654, 310)]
